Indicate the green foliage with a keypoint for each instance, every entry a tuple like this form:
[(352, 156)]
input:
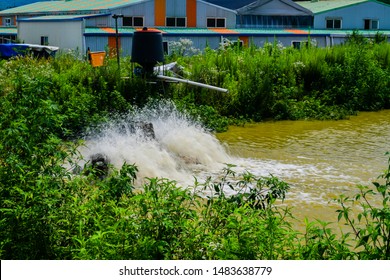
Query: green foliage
[(286, 83), (120, 182), (247, 223), (371, 226), (320, 242), (205, 114), (269, 82), (368, 222), (31, 158), (47, 212), (82, 94)]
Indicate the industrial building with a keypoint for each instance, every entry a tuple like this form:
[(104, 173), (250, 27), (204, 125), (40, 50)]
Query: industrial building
[(79, 25), (349, 14)]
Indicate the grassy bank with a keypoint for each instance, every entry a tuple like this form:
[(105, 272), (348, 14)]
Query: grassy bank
[(286, 83), (47, 212)]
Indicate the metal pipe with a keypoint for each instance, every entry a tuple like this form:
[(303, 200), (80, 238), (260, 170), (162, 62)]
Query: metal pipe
[(173, 79)]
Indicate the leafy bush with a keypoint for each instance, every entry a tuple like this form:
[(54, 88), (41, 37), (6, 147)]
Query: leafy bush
[(278, 82), (371, 227), (48, 212)]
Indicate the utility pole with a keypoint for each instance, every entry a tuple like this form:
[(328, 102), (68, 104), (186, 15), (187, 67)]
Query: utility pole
[(115, 16)]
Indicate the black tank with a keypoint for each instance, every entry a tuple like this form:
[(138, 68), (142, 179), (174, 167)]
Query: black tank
[(147, 49)]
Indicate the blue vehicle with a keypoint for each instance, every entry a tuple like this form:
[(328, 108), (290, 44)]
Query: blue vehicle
[(10, 50)]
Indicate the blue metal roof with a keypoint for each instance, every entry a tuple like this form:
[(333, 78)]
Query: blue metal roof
[(70, 6), (8, 4), (206, 32), (60, 18)]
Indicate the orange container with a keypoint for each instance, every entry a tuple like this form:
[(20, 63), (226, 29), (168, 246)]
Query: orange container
[(97, 58)]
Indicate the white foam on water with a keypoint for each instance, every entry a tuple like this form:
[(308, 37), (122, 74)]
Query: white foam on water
[(181, 148)]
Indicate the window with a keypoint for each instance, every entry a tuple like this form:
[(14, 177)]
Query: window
[(133, 21), (299, 44), (7, 39), (138, 21), (371, 24), (181, 22), (216, 22), (333, 23), (176, 22), (221, 22), (127, 21), (44, 40), (170, 22), (304, 44), (8, 22), (211, 22)]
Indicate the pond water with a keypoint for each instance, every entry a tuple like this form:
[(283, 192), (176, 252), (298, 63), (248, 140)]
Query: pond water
[(319, 159)]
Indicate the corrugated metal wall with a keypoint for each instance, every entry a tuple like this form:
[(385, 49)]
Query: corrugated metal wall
[(353, 16), (205, 10), (176, 8), (156, 11), (103, 21), (96, 43), (286, 41), (126, 43), (199, 42), (100, 43), (145, 10)]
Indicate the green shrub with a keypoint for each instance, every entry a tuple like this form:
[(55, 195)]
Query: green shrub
[(47, 212), (371, 226)]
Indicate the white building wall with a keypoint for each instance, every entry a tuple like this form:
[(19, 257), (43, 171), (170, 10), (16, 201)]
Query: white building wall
[(65, 35), (353, 16)]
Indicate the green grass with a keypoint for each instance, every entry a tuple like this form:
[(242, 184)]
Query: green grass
[(47, 212), (285, 83)]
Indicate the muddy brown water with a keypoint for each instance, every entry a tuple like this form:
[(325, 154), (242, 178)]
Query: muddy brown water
[(319, 159)]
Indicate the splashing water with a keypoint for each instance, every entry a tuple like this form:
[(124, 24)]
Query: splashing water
[(180, 149)]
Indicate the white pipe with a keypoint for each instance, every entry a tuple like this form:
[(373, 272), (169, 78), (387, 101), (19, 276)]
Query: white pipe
[(191, 83)]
